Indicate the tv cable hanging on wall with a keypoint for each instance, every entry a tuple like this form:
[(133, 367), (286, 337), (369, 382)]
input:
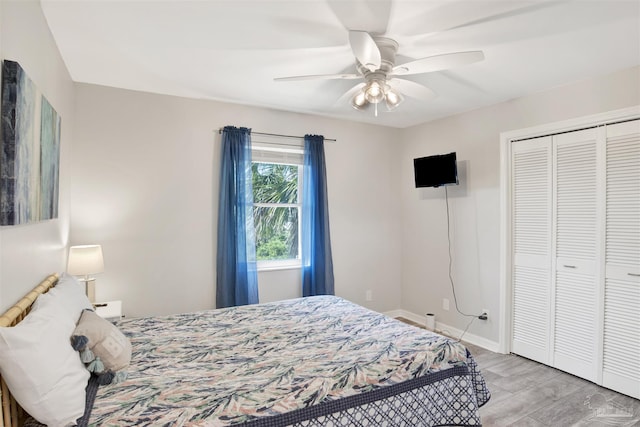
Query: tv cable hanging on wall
[(481, 316)]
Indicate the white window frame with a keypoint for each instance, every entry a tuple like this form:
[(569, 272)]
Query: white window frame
[(277, 151)]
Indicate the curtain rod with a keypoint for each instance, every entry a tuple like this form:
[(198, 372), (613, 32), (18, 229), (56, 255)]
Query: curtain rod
[(282, 136)]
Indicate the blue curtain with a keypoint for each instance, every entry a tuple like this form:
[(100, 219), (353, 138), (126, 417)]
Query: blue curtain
[(317, 264), (236, 271)]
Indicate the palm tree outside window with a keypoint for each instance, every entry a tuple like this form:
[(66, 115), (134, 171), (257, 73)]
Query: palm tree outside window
[(276, 213)]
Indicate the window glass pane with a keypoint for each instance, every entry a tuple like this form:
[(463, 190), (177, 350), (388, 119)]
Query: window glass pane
[(275, 183), (276, 232)]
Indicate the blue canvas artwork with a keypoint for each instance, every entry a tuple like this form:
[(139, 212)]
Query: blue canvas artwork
[(49, 161), (29, 151)]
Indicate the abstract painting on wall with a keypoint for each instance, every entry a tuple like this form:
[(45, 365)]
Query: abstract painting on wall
[(29, 151)]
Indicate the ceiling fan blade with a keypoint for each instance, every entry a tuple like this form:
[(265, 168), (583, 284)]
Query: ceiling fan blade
[(460, 14), (412, 89), (437, 63), (318, 77), (365, 15), (346, 97), (365, 49), (524, 8)]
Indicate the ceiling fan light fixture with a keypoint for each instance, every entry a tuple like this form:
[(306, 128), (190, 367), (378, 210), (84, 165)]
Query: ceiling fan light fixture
[(374, 92), (393, 99), (359, 101)]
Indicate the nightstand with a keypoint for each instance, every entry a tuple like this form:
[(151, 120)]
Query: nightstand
[(109, 310)]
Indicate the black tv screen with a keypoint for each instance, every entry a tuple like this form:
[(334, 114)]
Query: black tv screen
[(434, 171)]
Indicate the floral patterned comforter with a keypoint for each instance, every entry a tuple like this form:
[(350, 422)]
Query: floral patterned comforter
[(242, 364)]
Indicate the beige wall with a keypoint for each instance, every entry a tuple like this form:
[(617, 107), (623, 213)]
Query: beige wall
[(475, 204), (145, 186), (29, 252)]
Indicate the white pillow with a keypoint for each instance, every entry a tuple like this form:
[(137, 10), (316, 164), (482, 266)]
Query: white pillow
[(43, 372), (71, 295)]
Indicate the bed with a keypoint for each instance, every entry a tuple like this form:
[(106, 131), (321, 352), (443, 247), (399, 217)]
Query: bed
[(317, 361)]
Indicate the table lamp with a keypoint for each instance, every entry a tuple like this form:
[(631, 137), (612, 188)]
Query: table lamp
[(85, 260)]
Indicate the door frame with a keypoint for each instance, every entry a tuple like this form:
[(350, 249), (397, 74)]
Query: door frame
[(506, 248)]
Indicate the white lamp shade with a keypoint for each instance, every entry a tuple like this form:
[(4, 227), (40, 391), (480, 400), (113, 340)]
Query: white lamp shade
[(85, 260)]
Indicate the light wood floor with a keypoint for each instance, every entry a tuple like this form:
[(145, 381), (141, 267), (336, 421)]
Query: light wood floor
[(527, 393)]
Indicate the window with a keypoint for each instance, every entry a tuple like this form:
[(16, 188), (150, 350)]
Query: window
[(277, 179)]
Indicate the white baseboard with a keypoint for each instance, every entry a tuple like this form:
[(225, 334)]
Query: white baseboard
[(448, 330), (399, 313)]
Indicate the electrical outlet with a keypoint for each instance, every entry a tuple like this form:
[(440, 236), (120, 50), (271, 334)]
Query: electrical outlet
[(369, 295), (445, 304), (486, 313)]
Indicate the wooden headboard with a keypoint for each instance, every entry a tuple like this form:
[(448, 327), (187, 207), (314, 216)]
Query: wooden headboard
[(12, 414)]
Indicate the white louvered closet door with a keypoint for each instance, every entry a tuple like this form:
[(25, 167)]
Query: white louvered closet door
[(621, 358), (531, 274), (575, 292)]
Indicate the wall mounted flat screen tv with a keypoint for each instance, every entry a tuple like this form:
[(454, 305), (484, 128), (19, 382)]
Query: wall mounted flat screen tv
[(434, 171)]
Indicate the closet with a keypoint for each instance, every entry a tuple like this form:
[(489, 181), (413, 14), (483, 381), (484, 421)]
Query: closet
[(575, 259)]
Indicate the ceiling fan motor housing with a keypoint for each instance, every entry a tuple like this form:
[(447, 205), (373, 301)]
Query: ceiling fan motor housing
[(388, 48)]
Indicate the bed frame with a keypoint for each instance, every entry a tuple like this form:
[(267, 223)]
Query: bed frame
[(12, 414)]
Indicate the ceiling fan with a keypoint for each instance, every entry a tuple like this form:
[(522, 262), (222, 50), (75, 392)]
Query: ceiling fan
[(382, 77)]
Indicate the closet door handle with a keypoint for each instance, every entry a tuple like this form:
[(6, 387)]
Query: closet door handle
[(572, 266), (634, 274)]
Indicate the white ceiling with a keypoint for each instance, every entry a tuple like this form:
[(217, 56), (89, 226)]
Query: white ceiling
[(232, 50)]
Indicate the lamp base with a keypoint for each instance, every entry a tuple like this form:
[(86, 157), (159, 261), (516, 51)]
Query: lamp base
[(90, 288)]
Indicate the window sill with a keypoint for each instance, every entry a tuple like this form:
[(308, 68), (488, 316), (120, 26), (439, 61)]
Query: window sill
[(279, 267)]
